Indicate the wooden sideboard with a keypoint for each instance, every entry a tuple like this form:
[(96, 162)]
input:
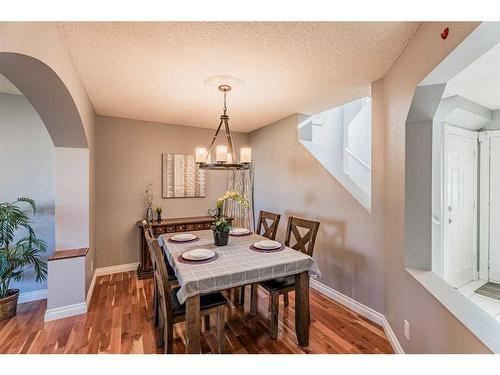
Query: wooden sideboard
[(182, 224)]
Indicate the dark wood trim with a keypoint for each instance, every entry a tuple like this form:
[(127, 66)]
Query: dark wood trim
[(68, 254)]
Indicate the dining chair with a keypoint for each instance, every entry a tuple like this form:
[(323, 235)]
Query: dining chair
[(303, 243), (270, 230), (146, 225), (171, 311)]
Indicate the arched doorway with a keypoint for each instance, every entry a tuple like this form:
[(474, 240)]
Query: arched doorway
[(48, 80)]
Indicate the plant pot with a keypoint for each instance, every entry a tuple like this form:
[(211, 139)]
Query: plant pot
[(221, 238), (8, 305)]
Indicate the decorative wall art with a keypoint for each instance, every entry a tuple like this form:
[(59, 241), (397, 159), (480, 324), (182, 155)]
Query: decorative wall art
[(181, 177)]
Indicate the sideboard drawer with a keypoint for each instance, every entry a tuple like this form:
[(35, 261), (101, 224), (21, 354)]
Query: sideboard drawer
[(180, 228), (170, 229), (207, 225), (198, 226), (159, 230), (189, 226)]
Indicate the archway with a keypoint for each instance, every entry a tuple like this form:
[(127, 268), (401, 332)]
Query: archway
[(48, 95), (55, 103)]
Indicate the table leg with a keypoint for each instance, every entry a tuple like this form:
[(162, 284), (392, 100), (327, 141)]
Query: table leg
[(193, 325), (302, 308), (241, 297)]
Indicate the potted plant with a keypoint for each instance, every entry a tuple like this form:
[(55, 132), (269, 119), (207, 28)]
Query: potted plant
[(158, 213), (221, 227), (16, 255)]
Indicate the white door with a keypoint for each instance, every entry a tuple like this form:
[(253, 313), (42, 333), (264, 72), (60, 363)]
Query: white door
[(494, 261), (460, 186)]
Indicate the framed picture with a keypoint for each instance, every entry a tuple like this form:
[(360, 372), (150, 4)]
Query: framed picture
[(181, 177)]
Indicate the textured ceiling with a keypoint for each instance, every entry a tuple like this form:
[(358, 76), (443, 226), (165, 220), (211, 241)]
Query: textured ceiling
[(7, 87), (156, 71), (480, 81)]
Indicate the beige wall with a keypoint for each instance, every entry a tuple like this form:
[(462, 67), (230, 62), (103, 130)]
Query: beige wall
[(128, 156), (291, 181), (433, 328)]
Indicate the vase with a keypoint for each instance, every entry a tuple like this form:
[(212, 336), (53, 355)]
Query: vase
[(221, 238), (149, 214), (158, 215)]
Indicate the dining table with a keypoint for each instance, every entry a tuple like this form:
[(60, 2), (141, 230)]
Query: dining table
[(237, 264)]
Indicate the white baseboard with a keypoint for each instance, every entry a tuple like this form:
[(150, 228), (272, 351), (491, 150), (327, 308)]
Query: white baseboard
[(33, 295), (391, 336), (116, 269), (361, 309), (90, 292), (65, 311)]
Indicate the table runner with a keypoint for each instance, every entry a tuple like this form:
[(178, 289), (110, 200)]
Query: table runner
[(237, 265)]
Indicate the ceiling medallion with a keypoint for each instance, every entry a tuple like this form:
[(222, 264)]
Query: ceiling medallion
[(225, 157)]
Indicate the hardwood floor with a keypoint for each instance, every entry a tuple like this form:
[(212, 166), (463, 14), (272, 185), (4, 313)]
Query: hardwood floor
[(120, 321)]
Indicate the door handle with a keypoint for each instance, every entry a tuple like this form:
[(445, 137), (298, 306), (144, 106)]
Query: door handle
[(450, 221)]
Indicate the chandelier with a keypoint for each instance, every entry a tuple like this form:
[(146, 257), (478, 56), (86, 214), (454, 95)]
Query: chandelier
[(225, 157)]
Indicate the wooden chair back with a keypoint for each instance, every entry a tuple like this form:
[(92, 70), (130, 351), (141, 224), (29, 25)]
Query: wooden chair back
[(147, 228), (271, 229), (160, 274), (303, 243), (146, 225)]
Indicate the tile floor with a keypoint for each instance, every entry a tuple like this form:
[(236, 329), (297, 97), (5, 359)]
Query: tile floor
[(490, 305)]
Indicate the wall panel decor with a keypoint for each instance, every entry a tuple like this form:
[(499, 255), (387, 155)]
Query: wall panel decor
[(181, 177)]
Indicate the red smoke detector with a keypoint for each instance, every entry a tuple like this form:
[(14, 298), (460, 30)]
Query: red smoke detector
[(444, 33)]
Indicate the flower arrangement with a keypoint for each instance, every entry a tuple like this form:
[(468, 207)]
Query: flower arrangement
[(148, 196), (221, 227), (148, 201), (234, 195)]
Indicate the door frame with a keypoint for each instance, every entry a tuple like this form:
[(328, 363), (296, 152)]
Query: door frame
[(453, 130), (484, 198)]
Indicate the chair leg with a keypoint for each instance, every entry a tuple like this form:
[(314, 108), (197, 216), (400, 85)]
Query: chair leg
[(207, 322), (235, 292), (253, 299), (241, 297), (285, 299), (156, 306), (168, 338), (160, 331), (273, 326), (220, 329)]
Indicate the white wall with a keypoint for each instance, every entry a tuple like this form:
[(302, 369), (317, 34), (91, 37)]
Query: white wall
[(27, 169), (72, 203)]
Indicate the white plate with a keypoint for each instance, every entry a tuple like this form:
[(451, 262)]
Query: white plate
[(267, 245), (198, 254), (239, 231), (183, 237)]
